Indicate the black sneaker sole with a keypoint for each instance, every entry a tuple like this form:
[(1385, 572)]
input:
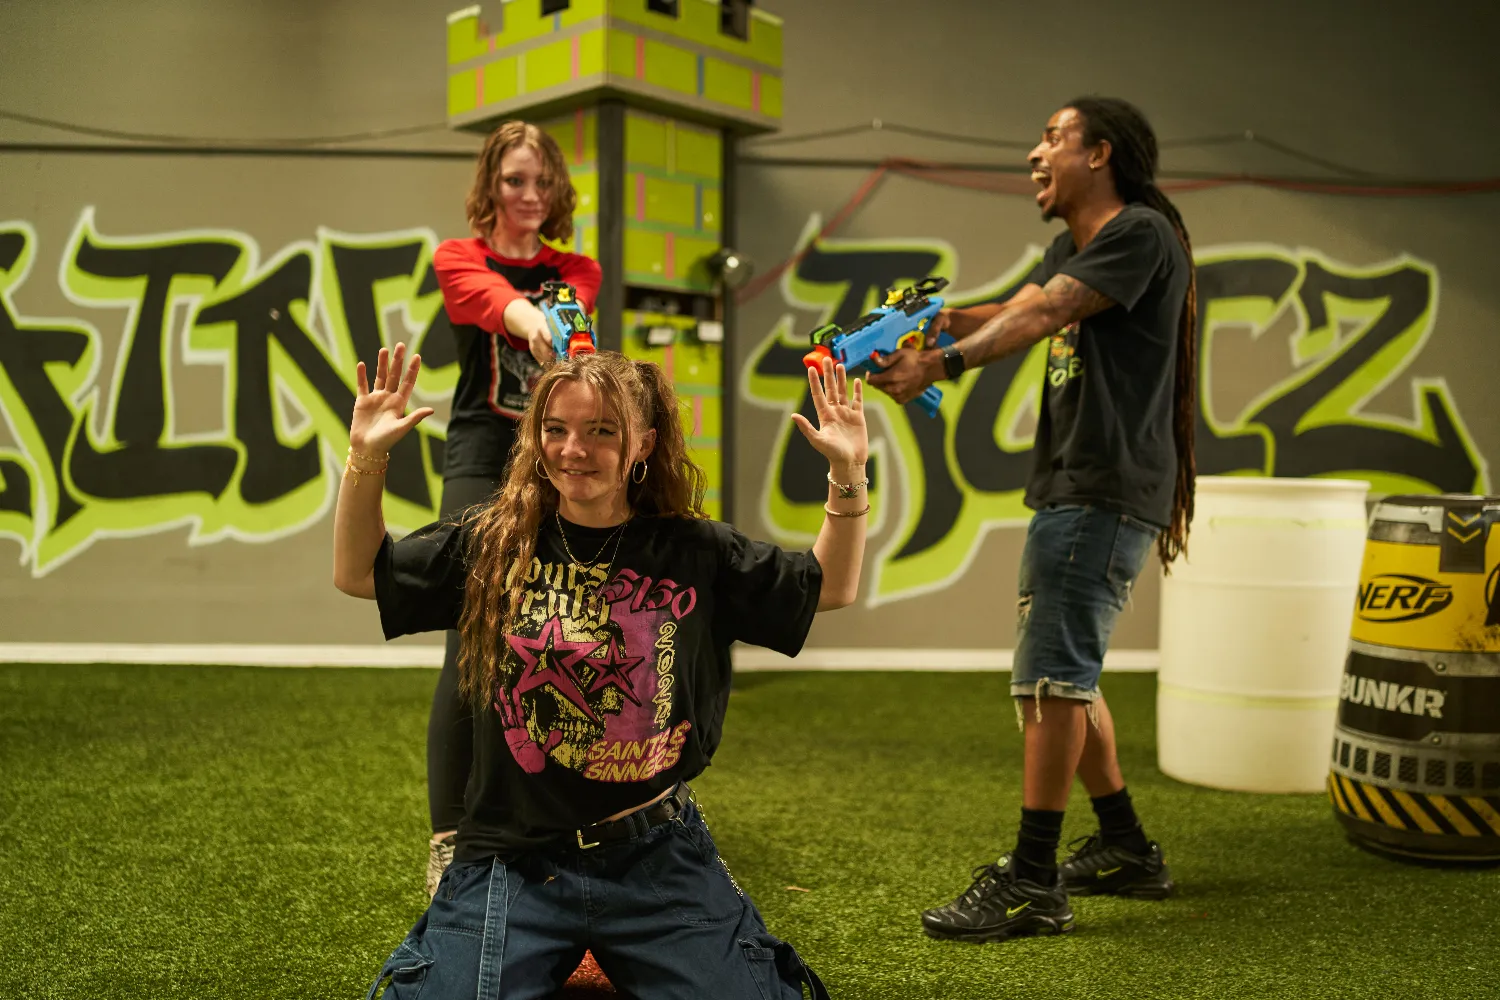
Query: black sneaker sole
[(1159, 888), (1033, 926)]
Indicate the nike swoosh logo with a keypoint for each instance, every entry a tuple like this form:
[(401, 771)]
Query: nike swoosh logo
[(1106, 872), (1012, 912)]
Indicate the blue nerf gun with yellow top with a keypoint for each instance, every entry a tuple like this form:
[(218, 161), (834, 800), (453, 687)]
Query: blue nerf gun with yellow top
[(572, 333), (901, 322)]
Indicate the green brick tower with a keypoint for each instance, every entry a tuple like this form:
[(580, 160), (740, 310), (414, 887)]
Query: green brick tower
[(646, 99)]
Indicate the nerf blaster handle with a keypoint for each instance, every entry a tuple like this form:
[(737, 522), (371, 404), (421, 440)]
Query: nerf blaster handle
[(901, 322), (572, 333)]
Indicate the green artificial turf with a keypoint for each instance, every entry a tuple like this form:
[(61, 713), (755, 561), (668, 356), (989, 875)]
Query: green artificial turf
[(225, 832)]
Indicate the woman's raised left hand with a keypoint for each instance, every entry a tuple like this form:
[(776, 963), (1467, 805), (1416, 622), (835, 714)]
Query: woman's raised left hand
[(840, 435)]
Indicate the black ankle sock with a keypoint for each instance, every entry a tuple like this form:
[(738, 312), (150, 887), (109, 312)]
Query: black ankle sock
[(1118, 825), (1036, 846)]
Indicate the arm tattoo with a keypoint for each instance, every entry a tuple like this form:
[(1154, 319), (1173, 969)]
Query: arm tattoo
[(1063, 300), (1070, 300)]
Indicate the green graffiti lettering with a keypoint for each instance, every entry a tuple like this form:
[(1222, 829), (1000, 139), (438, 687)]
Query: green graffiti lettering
[(43, 364), (1347, 334), (1355, 330), (134, 454), (93, 459)]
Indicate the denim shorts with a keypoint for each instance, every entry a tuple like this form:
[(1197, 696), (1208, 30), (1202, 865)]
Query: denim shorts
[(660, 912), (1077, 569)]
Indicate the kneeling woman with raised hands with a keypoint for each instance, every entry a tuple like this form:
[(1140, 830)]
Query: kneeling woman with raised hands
[(597, 605)]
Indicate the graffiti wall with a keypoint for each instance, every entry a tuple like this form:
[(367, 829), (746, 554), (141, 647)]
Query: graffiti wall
[(178, 329), (1335, 334), (1338, 338), (92, 458), (215, 416)]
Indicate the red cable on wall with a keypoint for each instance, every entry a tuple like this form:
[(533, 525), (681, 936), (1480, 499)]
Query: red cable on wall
[(1015, 184)]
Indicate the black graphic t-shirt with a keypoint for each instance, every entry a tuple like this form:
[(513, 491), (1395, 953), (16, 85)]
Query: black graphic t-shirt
[(1104, 433), (496, 371), (612, 689)]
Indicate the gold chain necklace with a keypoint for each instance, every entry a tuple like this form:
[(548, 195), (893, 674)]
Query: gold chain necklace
[(617, 537)]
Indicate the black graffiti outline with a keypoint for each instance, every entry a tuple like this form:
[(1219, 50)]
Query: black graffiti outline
[(1238, 449), (235, 286)]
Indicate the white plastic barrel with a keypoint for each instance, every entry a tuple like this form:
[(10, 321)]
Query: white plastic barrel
[(1254, 632)]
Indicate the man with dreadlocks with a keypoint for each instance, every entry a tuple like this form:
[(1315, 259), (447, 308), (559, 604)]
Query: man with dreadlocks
[(1113, 473)]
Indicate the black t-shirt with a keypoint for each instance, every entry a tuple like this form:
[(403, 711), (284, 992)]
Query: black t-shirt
[(611, 694), (1104, 434)]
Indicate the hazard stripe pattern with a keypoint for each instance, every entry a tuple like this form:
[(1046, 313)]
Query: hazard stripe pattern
[(1454, 815)]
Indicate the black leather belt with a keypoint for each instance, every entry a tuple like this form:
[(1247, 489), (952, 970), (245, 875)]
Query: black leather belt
[(637, 822)]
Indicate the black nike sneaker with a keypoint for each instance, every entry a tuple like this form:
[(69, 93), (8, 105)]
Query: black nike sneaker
[(1098, 869), (998, 906)]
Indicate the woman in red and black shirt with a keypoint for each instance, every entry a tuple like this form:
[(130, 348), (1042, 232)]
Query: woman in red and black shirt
[(490, 283)]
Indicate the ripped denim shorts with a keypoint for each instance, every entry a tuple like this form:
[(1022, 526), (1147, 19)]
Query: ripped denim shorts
[(1077, 570)]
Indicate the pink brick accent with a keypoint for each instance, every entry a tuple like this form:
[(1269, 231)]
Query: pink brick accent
[(479, 87), (697, 416), (755, 91), (640, 58), (671, 255), (640, 197), (575, 57)]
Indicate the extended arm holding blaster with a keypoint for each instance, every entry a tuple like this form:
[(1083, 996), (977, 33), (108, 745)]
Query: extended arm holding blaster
[(987, 333), (901, 322)]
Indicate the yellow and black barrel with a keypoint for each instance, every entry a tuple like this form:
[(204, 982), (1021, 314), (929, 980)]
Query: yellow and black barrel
[(1416, 752)]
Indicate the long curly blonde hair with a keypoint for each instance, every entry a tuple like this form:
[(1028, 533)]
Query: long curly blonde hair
[(483, 202), (503, 531)]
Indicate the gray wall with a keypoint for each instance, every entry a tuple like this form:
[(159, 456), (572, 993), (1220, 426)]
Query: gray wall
[(1383, 88)]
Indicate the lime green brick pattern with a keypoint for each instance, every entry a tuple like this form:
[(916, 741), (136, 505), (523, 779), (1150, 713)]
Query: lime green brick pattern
[(697, 25), (462, 92), (673, 201), (514, 66), (770, 95), (534, 70), (695, 370), (499, 81), (726, 83), (690, 73), (577, 136), (469, 37)]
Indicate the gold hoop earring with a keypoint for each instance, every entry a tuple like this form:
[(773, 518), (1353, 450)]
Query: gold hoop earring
[(541, 473), (643, 468)]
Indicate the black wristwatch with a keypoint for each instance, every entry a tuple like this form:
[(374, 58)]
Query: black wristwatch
[(953, 361)]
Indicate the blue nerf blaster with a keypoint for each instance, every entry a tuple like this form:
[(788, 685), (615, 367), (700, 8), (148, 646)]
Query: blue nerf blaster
[(572, 333), (901, 322)]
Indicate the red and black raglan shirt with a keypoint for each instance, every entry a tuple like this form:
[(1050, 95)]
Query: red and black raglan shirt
[(496, 369)]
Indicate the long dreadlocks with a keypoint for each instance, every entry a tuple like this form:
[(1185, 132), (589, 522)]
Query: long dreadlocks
[(1132, 161)]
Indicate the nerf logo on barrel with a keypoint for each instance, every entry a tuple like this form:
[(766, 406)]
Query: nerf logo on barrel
[(1390, 696), (1401, 597)]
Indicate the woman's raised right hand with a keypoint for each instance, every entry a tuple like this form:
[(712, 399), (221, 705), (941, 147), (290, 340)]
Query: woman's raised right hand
[(380, 417)]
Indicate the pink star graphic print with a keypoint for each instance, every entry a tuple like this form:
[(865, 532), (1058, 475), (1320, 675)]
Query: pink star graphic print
[(589, 682)]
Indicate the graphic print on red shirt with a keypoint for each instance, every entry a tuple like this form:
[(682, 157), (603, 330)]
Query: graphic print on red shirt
[(496, 369)]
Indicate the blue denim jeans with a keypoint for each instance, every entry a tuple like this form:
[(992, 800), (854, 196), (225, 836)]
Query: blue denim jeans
[(1077, 569), (660, 912)]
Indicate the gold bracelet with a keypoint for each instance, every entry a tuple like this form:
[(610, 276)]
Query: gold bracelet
[(842, 513), (351, 467), (847, 492), (382, 462), (382, 465)]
